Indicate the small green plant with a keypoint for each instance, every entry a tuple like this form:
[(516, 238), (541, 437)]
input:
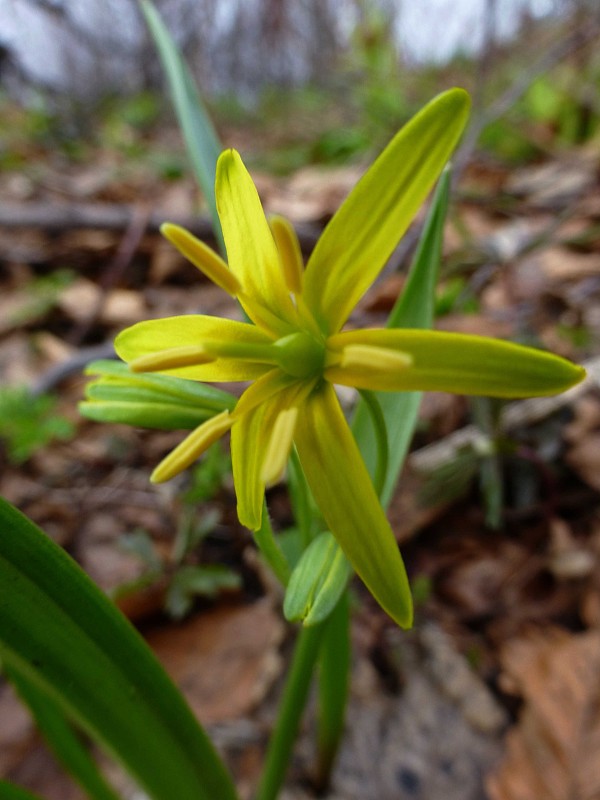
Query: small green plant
[(181, 572), (29, 422), (183, 577)]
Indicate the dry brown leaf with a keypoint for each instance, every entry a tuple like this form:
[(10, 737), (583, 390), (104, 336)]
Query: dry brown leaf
[(562, 264), (586, 418), (584, 458), (554, 751), (557, 181), (80, 300), (569, 559), (224, 660), (123, 307)]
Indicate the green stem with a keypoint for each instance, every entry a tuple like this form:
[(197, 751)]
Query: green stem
[(381, 438), (270, 550), (301, 500), (290, 712), (334, 681)]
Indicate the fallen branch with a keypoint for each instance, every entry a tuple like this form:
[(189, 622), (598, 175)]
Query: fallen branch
[(58, 217)]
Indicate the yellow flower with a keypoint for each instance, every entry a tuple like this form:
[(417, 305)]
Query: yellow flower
[(294, 349)]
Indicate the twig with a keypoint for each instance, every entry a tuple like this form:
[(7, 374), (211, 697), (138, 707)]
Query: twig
[(78, 361), (58, 217), (122, 258)]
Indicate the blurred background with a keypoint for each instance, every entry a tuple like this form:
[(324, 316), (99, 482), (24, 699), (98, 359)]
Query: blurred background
[(498, 512), (367, 60)]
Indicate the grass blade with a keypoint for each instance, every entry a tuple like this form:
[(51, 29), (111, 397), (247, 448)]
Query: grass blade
[(62, 738), (8, 791), (200, 138), (60, 631)]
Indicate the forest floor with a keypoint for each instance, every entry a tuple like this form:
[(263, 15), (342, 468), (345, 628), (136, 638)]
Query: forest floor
[(495, 692)]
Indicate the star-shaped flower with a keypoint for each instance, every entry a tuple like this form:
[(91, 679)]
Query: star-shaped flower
[(293, 348)]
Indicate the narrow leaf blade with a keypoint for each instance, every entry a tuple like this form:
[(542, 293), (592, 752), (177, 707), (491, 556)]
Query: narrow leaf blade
[(62, 738), (62, 633), (201, 140), (8, 791)]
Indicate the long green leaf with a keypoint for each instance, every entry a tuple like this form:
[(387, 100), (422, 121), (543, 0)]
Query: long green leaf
[(201, 140), (62, 738), (334, 684), (8, 791), (62, 633), (413, 309)]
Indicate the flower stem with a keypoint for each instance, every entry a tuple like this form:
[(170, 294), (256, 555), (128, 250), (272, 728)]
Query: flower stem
[(381, 437), (301, 500), (334, 680), (291, 709), (270, 550)]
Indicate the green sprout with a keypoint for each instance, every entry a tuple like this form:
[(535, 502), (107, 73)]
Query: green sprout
[(29, 422)]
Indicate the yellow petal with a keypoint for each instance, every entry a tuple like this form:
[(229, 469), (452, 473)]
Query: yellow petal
[(363, 233), (159, 335), (251, 439), (289, 253), (455, 362), (344, 493), (192, 447), (201, 256), (251, 250), (280, 444)]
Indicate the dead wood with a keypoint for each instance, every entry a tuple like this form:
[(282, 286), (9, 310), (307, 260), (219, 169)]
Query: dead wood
[(58, 217)]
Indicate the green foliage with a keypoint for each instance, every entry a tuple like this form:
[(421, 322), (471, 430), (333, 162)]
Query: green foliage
[(9, 791), (376, 83), (28, 422), (149, 401), (62, 738), (559, 100), (509, 140), (455, 296), (141, 111), (186, 579), (556, 110), (190, 582), (25, 131), (62, 633), (200, 137), (209, 475)]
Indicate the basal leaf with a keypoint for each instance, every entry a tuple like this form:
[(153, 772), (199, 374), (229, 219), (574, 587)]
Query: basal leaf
[(60, 632)]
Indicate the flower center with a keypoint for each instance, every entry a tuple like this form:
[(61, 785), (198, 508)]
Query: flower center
[(300, 354)]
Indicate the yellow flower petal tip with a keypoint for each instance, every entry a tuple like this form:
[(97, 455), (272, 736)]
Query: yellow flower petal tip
[(290, 253), (201, 256), (280, 444), (192, 447)]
